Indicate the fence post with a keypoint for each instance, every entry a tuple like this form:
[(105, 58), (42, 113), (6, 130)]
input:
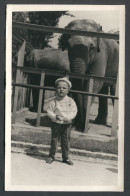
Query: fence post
[(115, 112), (89, 100), (18, 78), (40, 99)]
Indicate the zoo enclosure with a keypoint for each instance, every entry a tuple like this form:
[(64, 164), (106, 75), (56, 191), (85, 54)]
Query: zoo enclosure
[(21, 70)]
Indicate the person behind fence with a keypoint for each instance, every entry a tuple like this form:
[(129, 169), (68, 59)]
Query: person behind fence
[(62, 110)]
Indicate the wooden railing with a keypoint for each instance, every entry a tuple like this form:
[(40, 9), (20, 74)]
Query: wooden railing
[(41, 87), (35, 27)]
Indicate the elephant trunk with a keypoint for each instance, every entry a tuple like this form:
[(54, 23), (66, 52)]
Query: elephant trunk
[(79, 66)]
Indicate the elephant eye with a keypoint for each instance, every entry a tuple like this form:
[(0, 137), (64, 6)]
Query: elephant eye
[(91, 47)]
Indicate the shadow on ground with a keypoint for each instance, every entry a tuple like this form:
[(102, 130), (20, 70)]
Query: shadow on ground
[(38, 155), (93, 122), (44, 121)]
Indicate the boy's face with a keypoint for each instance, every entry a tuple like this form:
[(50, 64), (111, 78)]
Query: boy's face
[(62, 89)]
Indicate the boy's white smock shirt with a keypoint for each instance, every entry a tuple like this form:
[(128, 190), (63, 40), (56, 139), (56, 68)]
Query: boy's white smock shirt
[(64, 107)]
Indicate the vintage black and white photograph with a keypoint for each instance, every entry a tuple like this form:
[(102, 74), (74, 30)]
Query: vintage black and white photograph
[(65, 67)]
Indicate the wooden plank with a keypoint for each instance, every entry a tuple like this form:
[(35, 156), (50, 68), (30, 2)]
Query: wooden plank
[(18, 79), (28, 93), (62, 74), (21, 55), (13, 88), (19, 98), (20, 94), (35, 27), (89, 100), (24, 91), (73, 91), (31, 99), (115, 112), (40, 99), (15, 97), (21, 76)]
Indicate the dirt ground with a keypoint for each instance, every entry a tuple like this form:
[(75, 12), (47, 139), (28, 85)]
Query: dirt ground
[(92, 172)]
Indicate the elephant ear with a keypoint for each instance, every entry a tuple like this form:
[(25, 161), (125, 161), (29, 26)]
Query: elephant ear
[(63, 41)]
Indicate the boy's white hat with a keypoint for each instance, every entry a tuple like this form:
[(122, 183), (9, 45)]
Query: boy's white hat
[(65, 80)]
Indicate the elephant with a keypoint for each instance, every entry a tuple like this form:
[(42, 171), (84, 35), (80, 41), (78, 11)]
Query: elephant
[(48, 58), (91, 56)]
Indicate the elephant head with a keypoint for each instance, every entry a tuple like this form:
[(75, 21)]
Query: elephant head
[(81, 48)]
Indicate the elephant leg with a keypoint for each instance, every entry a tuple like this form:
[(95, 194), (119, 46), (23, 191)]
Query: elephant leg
[(80, 117), (103, 108), (79, 99)]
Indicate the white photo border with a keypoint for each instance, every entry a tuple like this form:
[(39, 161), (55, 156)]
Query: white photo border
[(40, 7)]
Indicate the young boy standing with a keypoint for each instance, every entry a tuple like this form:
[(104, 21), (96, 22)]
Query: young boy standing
[(62, 111)]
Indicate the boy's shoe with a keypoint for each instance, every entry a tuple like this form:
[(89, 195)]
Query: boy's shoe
[(67, 161), (49, 160)]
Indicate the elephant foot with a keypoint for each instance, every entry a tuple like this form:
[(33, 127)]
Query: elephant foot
[(78, 125), (78, 128), (100, 121), (82, 130)]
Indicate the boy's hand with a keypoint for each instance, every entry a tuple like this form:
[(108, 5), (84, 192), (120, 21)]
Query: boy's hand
[(65, 119), (59, 118)]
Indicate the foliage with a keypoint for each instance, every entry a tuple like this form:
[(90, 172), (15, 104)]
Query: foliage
[(18, 35), (35, 39)]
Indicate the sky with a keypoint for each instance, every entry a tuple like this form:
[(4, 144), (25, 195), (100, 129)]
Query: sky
[(108, 19)]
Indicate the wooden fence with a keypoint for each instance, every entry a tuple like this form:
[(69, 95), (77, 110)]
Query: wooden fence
[(21, 80), (70, 75)]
